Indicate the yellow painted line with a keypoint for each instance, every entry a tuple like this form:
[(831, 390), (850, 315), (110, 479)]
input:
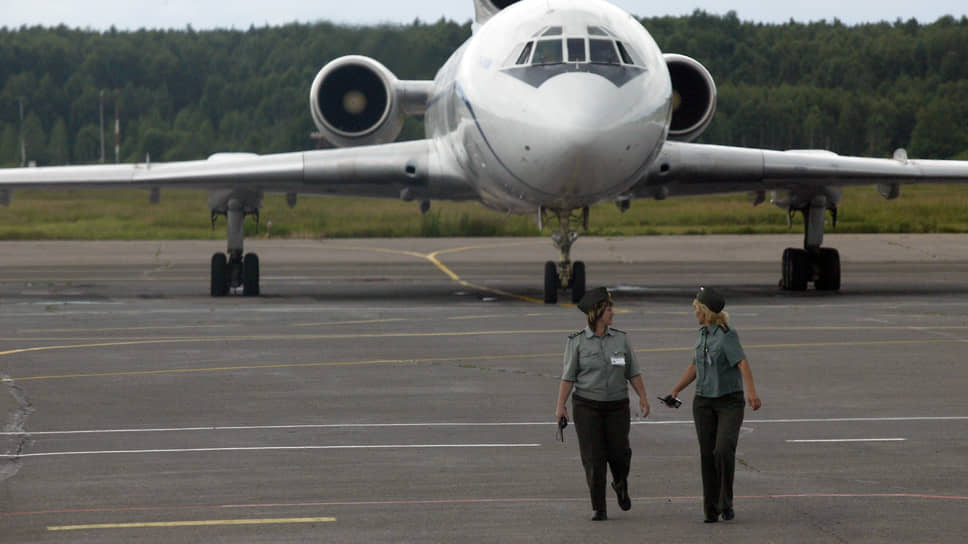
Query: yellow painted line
[(481, 246), (909, 328), (344, 336), (432, 258), (325, 336), (116, 329), (262, 338), (518, 356), (382, 250), (286, 365), (204, 523)]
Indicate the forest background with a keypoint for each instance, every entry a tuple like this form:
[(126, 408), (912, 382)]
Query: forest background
[(185, 94)]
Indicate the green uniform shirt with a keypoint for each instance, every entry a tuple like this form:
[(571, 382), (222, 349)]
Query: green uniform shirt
[(717, 353), (600, 367)]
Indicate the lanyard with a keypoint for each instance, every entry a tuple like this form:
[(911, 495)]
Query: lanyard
[(705, 346)]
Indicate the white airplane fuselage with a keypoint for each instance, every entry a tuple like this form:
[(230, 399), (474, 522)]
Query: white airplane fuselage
[(534, 128)]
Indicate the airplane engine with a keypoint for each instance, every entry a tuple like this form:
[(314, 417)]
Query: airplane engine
[(354, 102), (694, 97)]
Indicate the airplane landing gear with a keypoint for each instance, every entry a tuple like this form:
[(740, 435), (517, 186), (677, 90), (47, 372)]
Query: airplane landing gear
[(820, 265), (233, 272), (565, 274), (236, 269)]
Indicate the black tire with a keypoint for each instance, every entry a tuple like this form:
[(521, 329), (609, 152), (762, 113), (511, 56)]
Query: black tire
[(551, 283), (785, 270), (577, 281), (250, 275), (829, 266), (220, 275), (796, 269)]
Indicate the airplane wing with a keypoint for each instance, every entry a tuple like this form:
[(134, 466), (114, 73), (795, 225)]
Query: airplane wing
[(391, 170), (695, 169)]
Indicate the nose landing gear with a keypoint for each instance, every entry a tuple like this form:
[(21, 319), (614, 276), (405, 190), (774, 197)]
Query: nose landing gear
[(565, 275)]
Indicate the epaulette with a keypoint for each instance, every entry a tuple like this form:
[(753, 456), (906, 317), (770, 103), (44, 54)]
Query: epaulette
[(724, 327), (617, 330), (575, 334)]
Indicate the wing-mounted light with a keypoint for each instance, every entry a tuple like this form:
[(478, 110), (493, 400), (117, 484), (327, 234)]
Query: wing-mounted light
[(357, 101), (485, 9), (693, 95)]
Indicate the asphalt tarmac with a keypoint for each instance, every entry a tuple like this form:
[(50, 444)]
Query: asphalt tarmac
[(403, 391)]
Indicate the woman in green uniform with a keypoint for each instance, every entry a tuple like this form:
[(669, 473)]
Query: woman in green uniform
[(720, 370), (598, 362)]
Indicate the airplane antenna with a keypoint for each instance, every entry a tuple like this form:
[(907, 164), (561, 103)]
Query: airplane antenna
[(23, 143), (117, 131), (101, 109)]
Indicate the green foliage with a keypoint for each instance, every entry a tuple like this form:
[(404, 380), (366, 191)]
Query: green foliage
[(182, 214), (183, 95), (864, 89), (858, 90)]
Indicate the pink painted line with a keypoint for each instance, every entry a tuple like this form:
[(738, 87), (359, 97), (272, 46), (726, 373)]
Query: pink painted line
[(921, 496)]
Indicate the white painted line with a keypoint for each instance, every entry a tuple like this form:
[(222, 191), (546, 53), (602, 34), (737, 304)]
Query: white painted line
[(848, 440), (270, 448), (453, 424)]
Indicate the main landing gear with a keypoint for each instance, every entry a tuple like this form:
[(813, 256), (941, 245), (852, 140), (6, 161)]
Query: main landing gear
[(565, 275), (236, 268), (820, 265)]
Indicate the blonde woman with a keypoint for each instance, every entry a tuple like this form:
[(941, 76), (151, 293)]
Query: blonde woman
[(720, 370)]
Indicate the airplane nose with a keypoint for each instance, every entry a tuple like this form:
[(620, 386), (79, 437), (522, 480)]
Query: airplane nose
[(582, 136)]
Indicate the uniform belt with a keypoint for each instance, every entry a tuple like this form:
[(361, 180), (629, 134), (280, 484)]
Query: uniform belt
[(601, 403)]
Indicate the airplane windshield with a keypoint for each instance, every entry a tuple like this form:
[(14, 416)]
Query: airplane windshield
[(525, 54), (576, 49), (547, 52), (603, 51), (549, 47)]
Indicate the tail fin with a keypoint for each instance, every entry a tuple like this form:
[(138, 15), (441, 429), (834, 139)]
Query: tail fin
[(485, 9)]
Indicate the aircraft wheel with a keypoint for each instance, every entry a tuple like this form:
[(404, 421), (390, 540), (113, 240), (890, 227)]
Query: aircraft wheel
[(796, 269), (551, 283), (577, 281), (220, 275), (250, 275), (828, 263)]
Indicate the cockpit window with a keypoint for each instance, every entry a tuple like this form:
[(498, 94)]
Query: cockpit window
[(547, 52), (603, 51), (525, 54), (548, 47), (626, 58), (576, 49)]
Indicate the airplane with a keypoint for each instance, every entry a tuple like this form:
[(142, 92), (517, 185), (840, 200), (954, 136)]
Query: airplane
[(549, 107)]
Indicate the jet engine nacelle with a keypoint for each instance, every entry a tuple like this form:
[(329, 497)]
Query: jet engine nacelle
[(354, 102), (693, 95)]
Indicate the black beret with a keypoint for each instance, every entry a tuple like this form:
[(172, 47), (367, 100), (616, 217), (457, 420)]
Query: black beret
[(713, 299), (592, 298)]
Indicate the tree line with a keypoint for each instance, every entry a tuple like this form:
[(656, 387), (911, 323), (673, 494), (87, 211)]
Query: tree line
[(184, 94)]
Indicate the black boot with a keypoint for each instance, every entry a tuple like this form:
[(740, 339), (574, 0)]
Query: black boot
[(622, 492)]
